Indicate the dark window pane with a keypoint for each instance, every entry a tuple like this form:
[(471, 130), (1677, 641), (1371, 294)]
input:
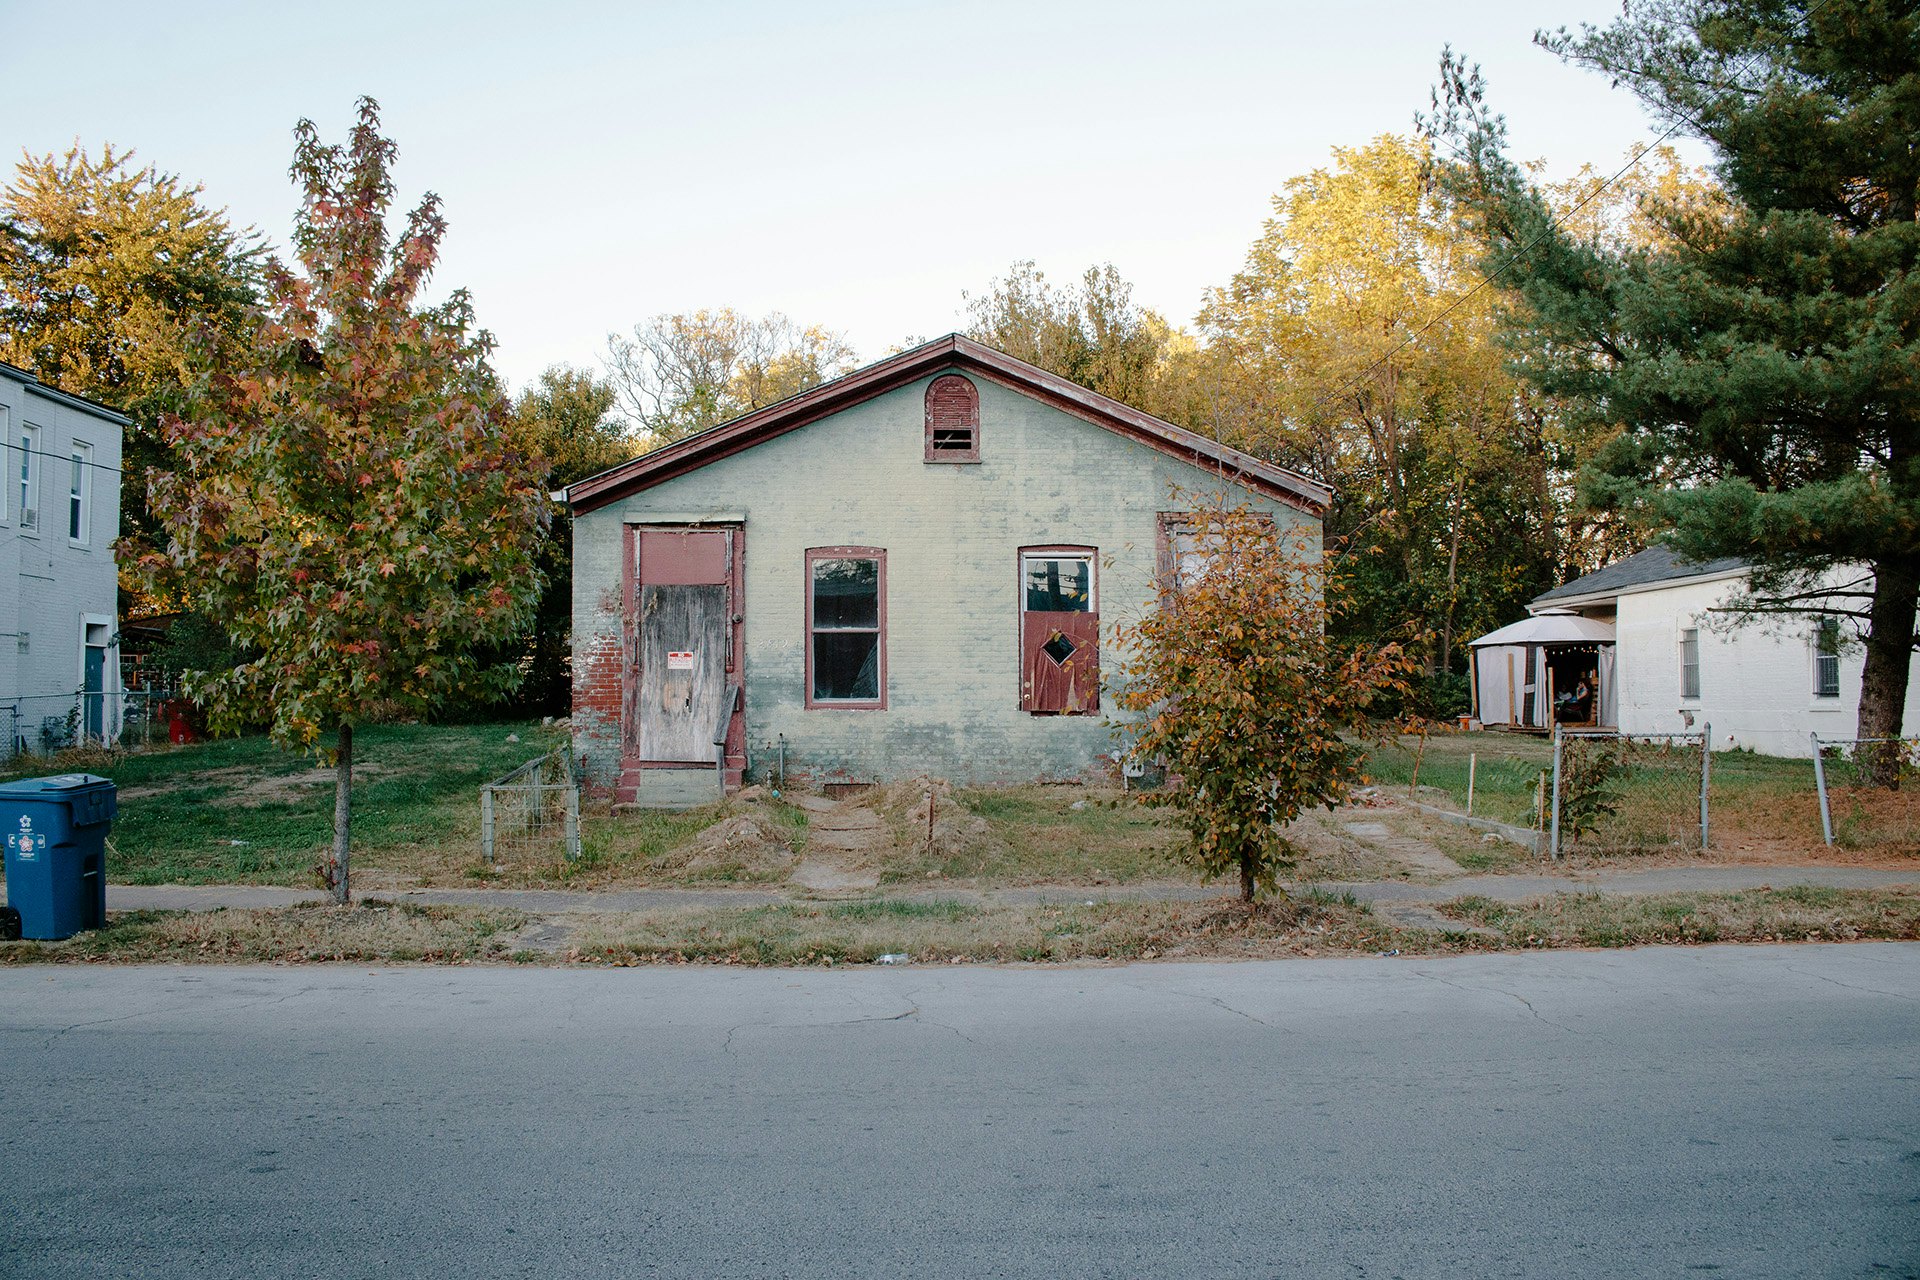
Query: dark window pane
[(1059, 586), (846, 666), (1059, 648), (846, 593)]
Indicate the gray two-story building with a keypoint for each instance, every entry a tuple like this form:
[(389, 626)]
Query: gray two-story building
[(59, 587)]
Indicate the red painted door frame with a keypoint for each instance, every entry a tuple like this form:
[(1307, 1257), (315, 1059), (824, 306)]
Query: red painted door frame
[(736, 665)]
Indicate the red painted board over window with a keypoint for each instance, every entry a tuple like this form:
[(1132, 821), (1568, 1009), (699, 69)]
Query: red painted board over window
[(1059, 631)]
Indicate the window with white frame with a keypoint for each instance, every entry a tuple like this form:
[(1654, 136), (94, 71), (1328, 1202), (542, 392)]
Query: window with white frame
[(29, 476), (1690, 662), (6, 456), (1826, 659), (80, 495)]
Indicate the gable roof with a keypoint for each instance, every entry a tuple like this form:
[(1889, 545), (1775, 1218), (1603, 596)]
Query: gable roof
[(1656, 565), (966, 355), (31, 381)]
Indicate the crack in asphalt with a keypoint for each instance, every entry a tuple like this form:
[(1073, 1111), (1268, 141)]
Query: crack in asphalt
[(261, 1003), (1851, 986), (1511, 995), (1213, 1000), (726, 1045)]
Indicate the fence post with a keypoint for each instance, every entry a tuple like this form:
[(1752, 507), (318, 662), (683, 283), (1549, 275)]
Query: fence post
[(1820, 782), (1558, 739), (1706, 768), (1473, 767), (486, 822), (573, 818)]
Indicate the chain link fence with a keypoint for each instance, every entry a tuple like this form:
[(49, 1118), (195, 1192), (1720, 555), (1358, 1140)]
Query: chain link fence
[(533, 813), (1855, 811), (1644, 793), (120, 719)]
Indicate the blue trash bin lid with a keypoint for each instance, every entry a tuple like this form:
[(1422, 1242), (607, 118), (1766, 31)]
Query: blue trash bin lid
[(59, 783), (88, 797)]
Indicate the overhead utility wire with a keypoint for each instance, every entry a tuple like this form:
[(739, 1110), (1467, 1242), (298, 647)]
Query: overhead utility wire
[(1527, 248)]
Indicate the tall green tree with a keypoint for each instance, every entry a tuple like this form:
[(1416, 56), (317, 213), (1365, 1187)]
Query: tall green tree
[(1358, 344), (568, 419), (107, 269), (1759, 364), (348, 496)]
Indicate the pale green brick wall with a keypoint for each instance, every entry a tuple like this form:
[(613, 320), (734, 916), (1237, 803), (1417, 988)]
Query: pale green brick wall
[(952, 536)]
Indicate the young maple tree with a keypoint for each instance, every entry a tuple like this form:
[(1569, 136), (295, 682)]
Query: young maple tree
[(349, 499), (1253, 710)]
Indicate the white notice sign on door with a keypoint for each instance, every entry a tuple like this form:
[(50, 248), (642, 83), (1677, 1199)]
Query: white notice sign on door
[(679, 660)]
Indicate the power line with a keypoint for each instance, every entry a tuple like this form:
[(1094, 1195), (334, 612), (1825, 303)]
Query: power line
[(42, 453), (1553, 226)]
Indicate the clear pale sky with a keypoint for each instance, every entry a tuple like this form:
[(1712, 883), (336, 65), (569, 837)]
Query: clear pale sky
[(852, 164)]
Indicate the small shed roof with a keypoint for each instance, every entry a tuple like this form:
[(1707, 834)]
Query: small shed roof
[(1647, 568), (1550, 628)]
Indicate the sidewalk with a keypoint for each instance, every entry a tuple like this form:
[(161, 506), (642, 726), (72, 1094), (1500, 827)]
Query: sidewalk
[(1512, 888)]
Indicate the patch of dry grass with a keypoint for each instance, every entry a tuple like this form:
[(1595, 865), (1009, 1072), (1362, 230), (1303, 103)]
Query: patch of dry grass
[(365, 932), (1031, 835), (1795, 914), (943, 932)]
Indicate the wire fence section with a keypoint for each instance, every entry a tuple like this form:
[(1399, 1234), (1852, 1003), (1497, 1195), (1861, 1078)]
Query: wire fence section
[(1857, 809), (121, 719), (1640, 793), (533, 813)]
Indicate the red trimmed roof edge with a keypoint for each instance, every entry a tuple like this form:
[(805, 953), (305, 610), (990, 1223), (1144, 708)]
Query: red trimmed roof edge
[(956, 351)]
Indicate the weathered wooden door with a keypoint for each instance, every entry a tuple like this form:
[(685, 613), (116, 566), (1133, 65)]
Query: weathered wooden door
[(684, 643), (683, 670)]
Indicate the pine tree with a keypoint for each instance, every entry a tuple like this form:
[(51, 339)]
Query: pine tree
[(1760, 365)]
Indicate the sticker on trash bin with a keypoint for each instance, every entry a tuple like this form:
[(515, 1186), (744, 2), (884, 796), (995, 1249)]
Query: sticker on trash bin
[(679, 659), (26, 844)]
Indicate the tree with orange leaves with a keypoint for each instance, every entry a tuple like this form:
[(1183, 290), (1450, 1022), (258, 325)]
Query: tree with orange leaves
[(348, 499), (1254, 712)]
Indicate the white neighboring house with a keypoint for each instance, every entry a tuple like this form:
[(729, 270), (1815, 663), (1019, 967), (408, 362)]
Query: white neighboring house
[(59, 586), (1678, 664)]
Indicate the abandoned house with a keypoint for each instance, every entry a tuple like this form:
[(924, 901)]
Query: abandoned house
[(917, 568)]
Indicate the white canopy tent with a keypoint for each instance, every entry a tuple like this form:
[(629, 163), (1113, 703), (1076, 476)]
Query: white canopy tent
[(1514, 669)]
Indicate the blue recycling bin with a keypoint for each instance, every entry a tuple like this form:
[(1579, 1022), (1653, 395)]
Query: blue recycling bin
[(56, 852)]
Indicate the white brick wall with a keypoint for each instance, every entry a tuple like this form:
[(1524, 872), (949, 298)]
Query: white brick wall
[(1756, 679)]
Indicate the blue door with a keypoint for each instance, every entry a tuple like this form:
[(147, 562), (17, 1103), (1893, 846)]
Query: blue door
[(93, 701)]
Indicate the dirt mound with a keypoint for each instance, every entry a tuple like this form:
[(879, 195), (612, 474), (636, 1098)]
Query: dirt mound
[(745, 842), (955, 832)]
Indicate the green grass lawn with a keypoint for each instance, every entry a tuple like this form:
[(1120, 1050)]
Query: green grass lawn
[(240, 810), (1753, 800)]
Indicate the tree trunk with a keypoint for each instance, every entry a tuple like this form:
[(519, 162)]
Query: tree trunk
[(342, 816), (1453, 592), (1246, 877), (1883, 683)]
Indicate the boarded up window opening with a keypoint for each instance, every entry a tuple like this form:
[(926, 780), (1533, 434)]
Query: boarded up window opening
[(1186, 553), (1059, 631), (846, 627), (953, 420)]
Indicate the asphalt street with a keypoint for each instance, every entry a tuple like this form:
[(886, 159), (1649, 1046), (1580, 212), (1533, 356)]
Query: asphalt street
[(1739, 1111)]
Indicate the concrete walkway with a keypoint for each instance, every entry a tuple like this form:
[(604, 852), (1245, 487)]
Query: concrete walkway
[(1511, 888)]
